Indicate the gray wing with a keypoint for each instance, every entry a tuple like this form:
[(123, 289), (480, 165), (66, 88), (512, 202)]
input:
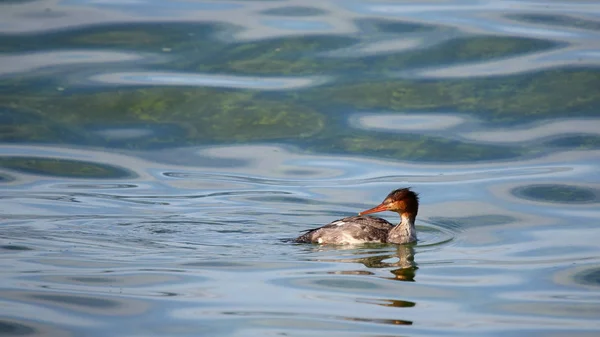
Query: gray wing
[(354, 229)]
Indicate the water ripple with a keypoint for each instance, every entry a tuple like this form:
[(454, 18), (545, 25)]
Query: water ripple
[(564, 58), (10, 64), (207, 80)]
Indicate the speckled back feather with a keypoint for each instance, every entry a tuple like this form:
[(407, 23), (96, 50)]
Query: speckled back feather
[(354, 229)]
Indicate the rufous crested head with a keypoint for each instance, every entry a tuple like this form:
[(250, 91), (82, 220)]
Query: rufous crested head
[(402, 200)]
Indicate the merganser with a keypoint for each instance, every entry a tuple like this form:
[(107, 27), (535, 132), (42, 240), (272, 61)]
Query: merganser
[(364, 229)]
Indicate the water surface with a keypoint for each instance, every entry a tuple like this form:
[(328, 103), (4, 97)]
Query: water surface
[(156, 158)]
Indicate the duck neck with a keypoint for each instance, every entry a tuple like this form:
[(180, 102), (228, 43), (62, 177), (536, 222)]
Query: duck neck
[(405, 231)]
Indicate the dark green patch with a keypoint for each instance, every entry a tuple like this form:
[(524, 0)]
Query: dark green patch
[(38, 127), (560, 21), (500, 99), (289, 56), (372, 26), (4, 178), (80, 301), (411, 147), (195, 115), (554, 193), (93, 279), (8, 328), (138, 37), (590, 277), (294, 11), (580, 142), (457, 51), (15, 247), (62, 167)]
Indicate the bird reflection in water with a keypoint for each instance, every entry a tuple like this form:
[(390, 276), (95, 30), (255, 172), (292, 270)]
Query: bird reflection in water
[(401, 265), (404, 268)]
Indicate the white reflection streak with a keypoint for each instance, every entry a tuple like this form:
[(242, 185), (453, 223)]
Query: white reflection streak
[(18, 18), (505, 6), (542, 130), (245, 15), (208, 80), (412, 122), (434, 122), (516, 65), (18, 63), (494, 18)]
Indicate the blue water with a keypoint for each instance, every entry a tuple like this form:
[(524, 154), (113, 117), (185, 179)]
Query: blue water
[(157, 158)]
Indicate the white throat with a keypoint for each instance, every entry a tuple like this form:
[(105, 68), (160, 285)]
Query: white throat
[(404, 232)]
